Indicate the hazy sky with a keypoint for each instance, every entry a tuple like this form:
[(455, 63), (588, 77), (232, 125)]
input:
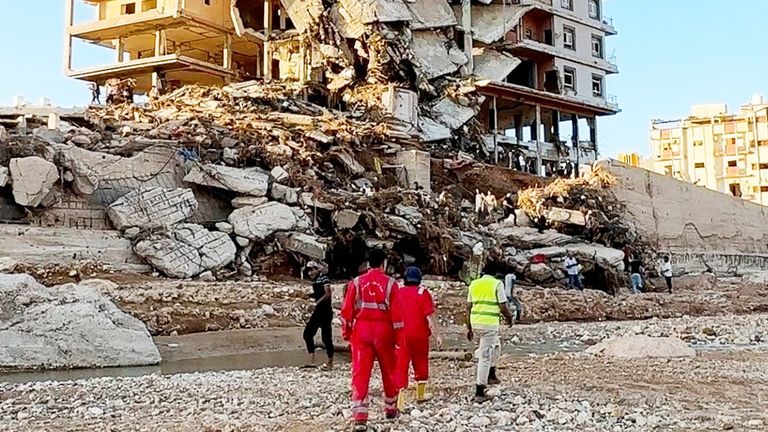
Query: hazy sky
[(671, 54)]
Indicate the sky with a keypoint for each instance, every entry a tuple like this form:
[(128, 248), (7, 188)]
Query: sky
[(671, 55)]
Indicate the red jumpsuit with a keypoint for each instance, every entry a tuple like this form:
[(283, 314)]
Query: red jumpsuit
[(370, 320), (416, 305)]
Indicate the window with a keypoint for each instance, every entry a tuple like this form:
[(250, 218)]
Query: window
[(668, 170), (569, 78), (763, 166), (569, 38), (128, 9), (732, 164), (597, 46), (597, 86), (594, 9), (698, 165), (763, 189), (567, 4), (762, 143), (207, 2), (698, 143), (148, 5)]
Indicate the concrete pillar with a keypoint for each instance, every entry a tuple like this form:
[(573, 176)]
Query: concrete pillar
[(267, 36), (495, 119), (518, 123), (575, 125), (538, 141), (53, 121), (69, 19), (556, 126), (466, 24), (592, 122), (119, 50), (227, 54)]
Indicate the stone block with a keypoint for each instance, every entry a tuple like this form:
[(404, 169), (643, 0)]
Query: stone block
[(249, 182), (304, 244), (225, 227), (346, 219), (248, 201), (257, 223), (5, 176), (152, 208), (284, 194), (278, 174), (33, 180)]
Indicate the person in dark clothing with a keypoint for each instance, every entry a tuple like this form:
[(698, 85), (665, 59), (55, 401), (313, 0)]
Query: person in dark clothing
[(95, 93), (322, 316), (510, 204), (540, 223), (636, 275)]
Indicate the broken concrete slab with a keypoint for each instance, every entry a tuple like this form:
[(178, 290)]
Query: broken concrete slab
[(430, 14), (566, 216), (451, 114), (248, 201), (304, 13), (430, 130), (69, 326), (409, 212), (250, 182), (284, 194), (402, 104), (307, 199), (346, 219), (436, 54), (540, 273), (225, 227), (3, 135), (588, 253), (492, 22), (257, 223), (418, 166), (33, 180), (399, 224), (304, 244), (49, 136), (377, 11), (527, 238), (5, 176), (152, 208), (278, 174), (549, 252), (81, 140), (491, 64), (347, 160), (187, 250)]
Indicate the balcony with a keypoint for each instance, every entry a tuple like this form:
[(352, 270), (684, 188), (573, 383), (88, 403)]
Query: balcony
[(731, 172), (668, 154), (733, 150)]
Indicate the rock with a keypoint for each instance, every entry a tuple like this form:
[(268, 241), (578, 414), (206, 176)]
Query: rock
[(257, 223), (400, 224), (5, 176), (709, 331), (246, 201), (540, 273), (304, 244), (207, 276), (754, 424), (284, 194), (549, 252), (68, 176), (131, 233), (3, 135), (101, 285), (187, 251), (242, 241), (70, 326), (227, 142), (152, 208), (346, 219), (307, 199), (229, 155), (49, 136), (225, 227), (81, 140), (347, 160), (278, 174), (33, 180), (246, 181), (566, 216), (411, 213), (604, 256), (641, 346), (7, 264)]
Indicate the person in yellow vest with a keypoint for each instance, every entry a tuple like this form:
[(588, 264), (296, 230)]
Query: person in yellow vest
[(486, 303)]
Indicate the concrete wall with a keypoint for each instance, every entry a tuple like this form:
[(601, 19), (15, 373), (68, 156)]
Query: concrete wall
[(695, 224)]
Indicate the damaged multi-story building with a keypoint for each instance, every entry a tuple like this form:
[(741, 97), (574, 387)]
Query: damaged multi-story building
[(537, 68)]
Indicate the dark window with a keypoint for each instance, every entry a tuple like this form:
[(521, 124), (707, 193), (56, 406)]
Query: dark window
[(597, 86), (129, 9), (698, 143), (732, 164), (567, 4), (763, 189), (594, 9), (699, 165), (763, 166), (569, 38), (207, 2), (569, 78), (597, 46)]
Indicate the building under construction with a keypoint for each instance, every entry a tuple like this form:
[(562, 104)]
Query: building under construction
[(537, 68)]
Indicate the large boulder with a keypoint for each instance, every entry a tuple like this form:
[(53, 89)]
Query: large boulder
[(187, 250), (304, 244), (5, 176), (33, 179), (642, 346), (588, 253), (245, 181), (69, 326), (152, 208), (257, 223), (527, 238)]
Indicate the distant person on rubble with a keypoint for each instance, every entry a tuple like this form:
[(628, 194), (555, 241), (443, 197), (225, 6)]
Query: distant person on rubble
[(636, 275), (486, 303), (573, 270), (95, 93), (418, 310), (322, 316), (510, 205), (568, 169), (479, 202), (490, 203), (372, 323), (666, 270), (509, 289)]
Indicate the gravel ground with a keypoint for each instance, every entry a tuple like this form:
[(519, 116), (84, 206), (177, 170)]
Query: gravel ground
[(717, 390)]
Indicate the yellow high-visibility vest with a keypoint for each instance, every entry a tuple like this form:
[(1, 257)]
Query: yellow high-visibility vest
[(485, 304)]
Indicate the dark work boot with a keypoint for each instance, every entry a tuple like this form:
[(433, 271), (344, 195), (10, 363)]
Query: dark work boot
[(360, 426), (492, 378), (480, 395)]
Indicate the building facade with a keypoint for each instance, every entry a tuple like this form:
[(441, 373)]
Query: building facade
[(559, 85), (720, 151)]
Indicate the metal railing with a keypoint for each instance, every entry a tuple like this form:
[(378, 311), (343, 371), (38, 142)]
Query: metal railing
[(612, 99)]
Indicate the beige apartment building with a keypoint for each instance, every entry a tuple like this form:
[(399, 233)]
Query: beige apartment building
[(720, 151)]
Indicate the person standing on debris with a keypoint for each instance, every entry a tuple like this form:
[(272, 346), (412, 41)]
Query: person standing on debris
[(636, 275), (486, 302), (371, 321), (510, 205), (95, 93), (568, 169), (509, 289), (418, 310), (479, 202), (322, 315), (666, 271), (573, 269), (490, 204)]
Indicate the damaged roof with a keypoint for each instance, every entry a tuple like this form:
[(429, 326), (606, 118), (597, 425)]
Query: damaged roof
[(492, 64), (490, 23), (430, 14), (436, 54)]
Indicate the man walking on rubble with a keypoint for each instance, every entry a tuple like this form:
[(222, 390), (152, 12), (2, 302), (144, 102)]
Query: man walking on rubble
[(418, 311), (666, 271), (510, 205), (371, 321), (322, 315), (95, 93), (509, 289), (486, 301), (573, 270)]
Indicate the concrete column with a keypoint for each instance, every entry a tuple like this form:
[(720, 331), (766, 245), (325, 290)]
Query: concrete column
[(575, 125), (538, 141), (160, 43), (495, 119), (267, 36), (518, 123), (466, 24), (69, 19), (119, 50), (556, 126), (227, 55), (592, 122)]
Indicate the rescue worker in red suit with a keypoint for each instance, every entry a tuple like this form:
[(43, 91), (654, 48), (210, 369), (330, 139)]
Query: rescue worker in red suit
[(418, 311), (371, 322)]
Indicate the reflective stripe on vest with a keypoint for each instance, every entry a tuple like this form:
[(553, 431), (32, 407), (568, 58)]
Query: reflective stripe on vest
[(485, 304), (360, 304)]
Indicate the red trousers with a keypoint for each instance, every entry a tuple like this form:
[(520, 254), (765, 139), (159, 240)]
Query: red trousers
[(372, 340), (414, 350)]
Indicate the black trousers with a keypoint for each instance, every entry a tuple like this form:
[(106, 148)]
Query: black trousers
[(321, 319), (669, 283)]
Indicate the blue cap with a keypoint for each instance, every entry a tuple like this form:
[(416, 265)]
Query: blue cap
[(412, 275)]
